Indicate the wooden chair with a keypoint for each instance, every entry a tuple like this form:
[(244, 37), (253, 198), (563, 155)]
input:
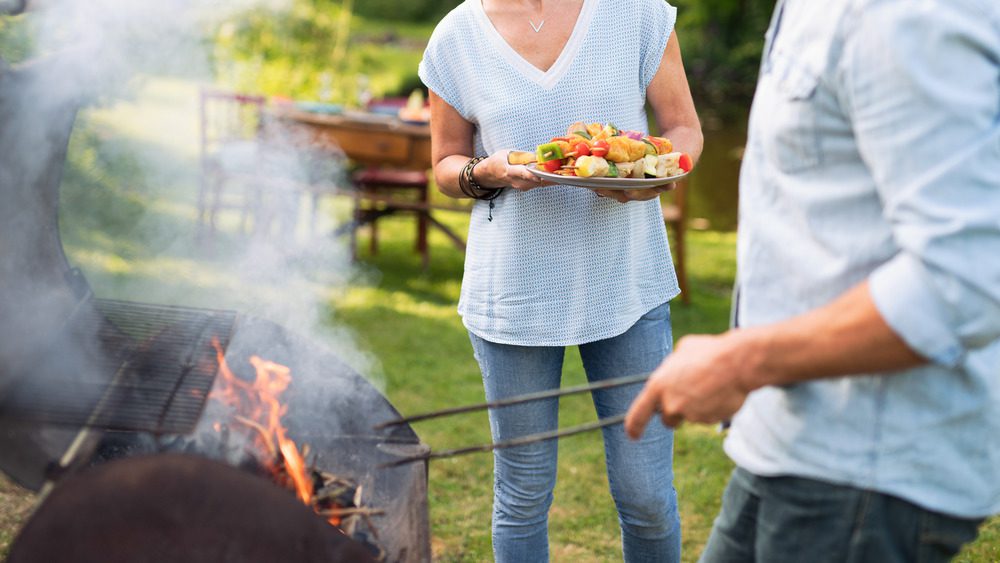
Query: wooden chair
[(675, 216), (246, 170), (230, 123), (383, 191)]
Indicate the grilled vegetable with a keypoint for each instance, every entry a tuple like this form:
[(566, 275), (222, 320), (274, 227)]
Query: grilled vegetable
[(552, 165), (591, 167), (548, 151), (624, 149), (599, 148), (521, 157), (666, 165), (650, 147), (649, 166), (685, 162)]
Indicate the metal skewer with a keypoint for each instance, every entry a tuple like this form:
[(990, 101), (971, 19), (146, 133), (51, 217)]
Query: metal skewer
[(529, 439), (528, 397)]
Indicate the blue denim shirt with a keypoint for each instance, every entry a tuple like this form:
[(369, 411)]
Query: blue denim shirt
[(874, 153)]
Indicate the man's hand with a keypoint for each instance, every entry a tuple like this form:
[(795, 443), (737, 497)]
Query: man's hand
[(702, 381), (708, 377)]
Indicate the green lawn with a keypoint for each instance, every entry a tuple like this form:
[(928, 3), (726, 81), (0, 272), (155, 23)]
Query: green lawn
[(427, 363), (128, 222)]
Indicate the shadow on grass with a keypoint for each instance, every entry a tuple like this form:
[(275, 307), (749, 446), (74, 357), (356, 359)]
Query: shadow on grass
[(397, 266)]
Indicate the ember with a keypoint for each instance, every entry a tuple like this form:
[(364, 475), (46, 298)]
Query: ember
[(257, 408)]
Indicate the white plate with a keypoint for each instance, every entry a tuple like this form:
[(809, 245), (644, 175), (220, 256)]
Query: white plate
[(604, 183)]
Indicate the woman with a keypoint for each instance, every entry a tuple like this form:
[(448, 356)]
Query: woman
[(561, 266)]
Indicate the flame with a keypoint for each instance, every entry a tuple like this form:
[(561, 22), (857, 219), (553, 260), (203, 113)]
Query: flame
[(257, 405)]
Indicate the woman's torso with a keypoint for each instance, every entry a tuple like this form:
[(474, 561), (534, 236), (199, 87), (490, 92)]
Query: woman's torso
[(556, 265)]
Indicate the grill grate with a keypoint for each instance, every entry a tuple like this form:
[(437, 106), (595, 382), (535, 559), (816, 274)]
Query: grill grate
[(127, 366)]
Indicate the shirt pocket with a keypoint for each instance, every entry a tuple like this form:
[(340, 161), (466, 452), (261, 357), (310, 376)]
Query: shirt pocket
[(794, 116)]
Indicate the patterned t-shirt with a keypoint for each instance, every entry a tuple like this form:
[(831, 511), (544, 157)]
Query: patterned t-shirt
[(557, 265)]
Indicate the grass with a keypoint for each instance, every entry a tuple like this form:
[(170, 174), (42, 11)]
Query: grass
[(427, 363), (130, 225)]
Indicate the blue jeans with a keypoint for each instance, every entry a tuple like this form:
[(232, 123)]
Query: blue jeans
[(778, 519), (640, 473)]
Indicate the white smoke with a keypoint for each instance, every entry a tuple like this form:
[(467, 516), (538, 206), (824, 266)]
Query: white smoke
[(109, 50)]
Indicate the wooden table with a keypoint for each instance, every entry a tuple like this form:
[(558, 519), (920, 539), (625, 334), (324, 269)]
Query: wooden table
[(368, 139), (377, 142)]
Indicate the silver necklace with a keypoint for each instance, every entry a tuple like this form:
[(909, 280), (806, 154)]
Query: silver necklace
[(534, 27)]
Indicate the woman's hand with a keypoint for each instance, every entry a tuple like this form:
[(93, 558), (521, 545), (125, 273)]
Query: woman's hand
[(625, 196), (495, 171), (451, 149)]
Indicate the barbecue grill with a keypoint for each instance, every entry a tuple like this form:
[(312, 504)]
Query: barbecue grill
[(87, 383)]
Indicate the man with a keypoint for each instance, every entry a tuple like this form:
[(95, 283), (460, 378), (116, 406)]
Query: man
[(863, 381)]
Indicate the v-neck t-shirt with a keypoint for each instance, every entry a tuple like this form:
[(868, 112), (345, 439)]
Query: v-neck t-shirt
[(557, 265)]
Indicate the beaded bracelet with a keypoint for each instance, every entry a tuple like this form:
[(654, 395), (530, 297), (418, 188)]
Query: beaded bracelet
[(469, 186)]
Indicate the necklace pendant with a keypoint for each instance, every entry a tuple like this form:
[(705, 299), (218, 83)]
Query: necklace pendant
[(539, 27)]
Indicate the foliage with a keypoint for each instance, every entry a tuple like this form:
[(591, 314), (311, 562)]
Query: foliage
[(293, 51), (300, 52), (721, 41), (411, 10), (102, 186), (16, 42)]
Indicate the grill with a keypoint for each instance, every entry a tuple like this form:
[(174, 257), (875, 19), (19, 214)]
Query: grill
[(141, 368), (97, 385)]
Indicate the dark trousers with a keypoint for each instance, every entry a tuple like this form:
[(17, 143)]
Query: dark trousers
[(778, 519)]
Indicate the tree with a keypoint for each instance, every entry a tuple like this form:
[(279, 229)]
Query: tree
[(722, 42)]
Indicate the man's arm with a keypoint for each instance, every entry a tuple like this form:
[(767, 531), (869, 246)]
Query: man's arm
[(920, 86), (707, 378)]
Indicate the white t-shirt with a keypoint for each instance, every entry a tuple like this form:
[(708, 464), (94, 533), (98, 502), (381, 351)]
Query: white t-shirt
[(558, 265)]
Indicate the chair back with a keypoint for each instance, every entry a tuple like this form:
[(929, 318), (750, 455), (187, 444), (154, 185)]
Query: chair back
[(228, 117), (674, 209)]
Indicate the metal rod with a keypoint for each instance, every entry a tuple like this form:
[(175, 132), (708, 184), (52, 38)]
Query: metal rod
[(628, 380), (529, 439)]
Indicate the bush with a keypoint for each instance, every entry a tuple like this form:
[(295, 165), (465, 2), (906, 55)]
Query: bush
[(721, 41), (410, 10)]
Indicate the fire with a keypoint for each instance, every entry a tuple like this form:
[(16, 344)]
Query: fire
[(258, 407)]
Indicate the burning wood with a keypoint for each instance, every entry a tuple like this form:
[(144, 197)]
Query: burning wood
[(259, 411)]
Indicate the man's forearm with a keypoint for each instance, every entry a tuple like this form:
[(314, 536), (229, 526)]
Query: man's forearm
[(845, 337)]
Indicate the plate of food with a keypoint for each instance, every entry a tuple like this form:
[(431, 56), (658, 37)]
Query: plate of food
[(595, 155), (605, 182)]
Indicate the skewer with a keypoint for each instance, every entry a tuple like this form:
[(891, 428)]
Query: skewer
[(528, 397), (351, 511), (529, 439)]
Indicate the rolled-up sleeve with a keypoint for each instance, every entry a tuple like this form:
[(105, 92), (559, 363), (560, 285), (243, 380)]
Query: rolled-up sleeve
[(921, 83)]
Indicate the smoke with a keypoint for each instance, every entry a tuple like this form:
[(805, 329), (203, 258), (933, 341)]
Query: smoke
[(104, 55), (286, 276)]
